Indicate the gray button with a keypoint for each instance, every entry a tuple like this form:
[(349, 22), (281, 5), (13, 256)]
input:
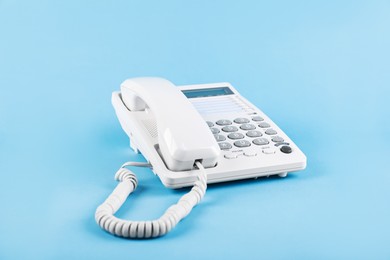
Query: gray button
[(214, 130), (264, 125), (219, 138), (241, 120), (229, 128), (236, 136), (270, 132), (224, 146), (210, 124), (247, 127), (253, 133), (283, 143), (242, 143), (277, 139), (257, 118), (260, 141), (224, 122)]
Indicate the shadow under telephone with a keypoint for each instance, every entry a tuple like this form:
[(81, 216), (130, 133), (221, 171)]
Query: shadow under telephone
[(191, 136)]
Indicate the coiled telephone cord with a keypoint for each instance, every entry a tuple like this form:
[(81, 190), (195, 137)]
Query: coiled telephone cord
[(105, 218)]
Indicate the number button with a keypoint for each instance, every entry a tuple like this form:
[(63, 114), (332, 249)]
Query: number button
[(229, 128), (257, 118), (247, 127), (224, 122), (214, 130), (270, 132), (230, 156), (253, 133), (260, 141), (264, 125), (219, 138), (236, 136), (225, 146), (242, 143), (210, 124), (277, 139), (241, 120)]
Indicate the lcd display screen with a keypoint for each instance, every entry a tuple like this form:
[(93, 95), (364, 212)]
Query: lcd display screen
[(207, 92)]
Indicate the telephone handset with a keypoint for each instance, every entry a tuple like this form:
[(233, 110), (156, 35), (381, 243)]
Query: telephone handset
[(191, 136), (177, 122)]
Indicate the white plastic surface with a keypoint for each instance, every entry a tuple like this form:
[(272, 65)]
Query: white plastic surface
[(139, 127)]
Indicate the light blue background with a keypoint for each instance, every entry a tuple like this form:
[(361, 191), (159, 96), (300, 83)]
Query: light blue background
[(319, 69)]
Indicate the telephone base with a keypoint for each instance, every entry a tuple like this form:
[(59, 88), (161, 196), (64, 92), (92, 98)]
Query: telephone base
[(251, 144)]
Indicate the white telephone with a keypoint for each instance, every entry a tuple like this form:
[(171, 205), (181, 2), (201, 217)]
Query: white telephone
[(192, 135)]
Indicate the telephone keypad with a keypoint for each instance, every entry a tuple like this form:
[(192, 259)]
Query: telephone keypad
[(241, 133)]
